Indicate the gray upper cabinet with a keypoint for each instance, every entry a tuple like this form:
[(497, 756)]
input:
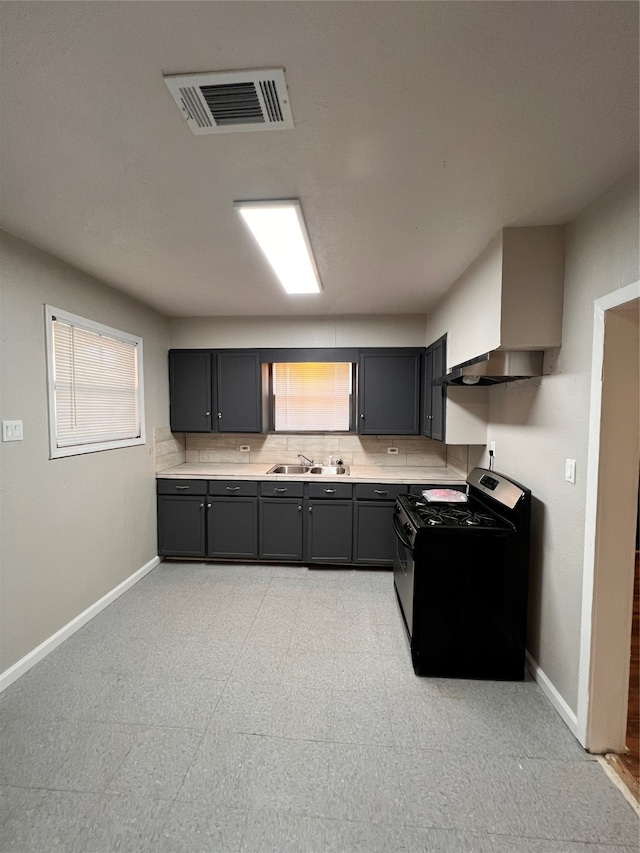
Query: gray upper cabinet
[(215, 391), (190, 390), (238, 392), (389, 392), (434, 396)]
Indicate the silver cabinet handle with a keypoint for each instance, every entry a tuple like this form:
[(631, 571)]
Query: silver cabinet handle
[(233, 488), (219, 414), (300, 509), (208, 506), (201, 506), (310, 509), (182, 488), (429, 417), (207, 413), (330, 491), (381, 491), (362, 416), (279, 490)]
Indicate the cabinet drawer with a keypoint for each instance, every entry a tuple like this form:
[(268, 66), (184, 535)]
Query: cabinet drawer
[(282, 490), (330, 490), (181, 487), (233, 488), (378, 491)]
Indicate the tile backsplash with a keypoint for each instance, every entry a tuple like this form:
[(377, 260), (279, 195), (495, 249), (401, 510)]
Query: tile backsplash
[(175, 448), (169, 448), (352, 449)]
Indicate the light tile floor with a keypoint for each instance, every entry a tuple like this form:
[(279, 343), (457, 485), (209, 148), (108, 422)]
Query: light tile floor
[(267, 708)]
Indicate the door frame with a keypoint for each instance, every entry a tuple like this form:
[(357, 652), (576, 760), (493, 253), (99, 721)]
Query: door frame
[(607, 592)]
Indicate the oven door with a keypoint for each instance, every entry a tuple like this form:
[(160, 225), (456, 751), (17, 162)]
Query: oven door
[(403, 568)]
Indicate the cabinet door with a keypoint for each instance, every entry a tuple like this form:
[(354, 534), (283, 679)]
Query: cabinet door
[(329, 531), (232, 528), (238, 392), (181, 526), (438, 395), (280, 536), (373, 535), (434, 396), (389, 393), (427, 394), (190, 391)]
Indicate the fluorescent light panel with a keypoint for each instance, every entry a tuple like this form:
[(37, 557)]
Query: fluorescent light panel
[(279, 229)]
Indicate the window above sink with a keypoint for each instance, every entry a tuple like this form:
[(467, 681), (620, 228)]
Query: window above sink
[(312, 396)]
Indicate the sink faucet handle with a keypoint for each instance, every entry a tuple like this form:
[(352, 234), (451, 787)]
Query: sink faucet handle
[(306, 458)]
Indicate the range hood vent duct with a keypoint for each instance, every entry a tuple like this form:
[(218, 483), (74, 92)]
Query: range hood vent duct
[(495, 367), (232, 101)]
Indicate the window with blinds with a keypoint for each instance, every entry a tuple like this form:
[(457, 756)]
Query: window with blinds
[(95, 386), (312, 397)]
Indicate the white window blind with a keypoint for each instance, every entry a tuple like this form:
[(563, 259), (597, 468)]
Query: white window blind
[(310, 396), (94, 386)]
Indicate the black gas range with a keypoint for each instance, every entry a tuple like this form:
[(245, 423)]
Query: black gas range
[(461, 577)]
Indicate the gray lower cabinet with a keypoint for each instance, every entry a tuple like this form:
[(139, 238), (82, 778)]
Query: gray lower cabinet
[(280, 521), (329, 523), (340, 523), (181, 528), (373, 536), (232, 529), (232, 519)]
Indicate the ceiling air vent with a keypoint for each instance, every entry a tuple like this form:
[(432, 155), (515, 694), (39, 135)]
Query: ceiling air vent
[(230, 101)]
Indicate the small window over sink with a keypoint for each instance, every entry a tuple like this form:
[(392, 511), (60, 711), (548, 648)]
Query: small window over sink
[(313, 396)]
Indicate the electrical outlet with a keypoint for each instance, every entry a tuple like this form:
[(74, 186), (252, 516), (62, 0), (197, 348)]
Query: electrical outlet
[(392, 450), (570, 470), (12, 431), (245, 448)]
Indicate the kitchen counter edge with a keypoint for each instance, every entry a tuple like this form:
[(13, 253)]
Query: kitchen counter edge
[(359, 474)]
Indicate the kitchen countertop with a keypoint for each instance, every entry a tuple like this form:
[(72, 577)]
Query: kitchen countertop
[(358, 474)]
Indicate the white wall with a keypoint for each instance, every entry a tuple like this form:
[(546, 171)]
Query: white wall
[(348, 331), (538, 423), (71, 529)]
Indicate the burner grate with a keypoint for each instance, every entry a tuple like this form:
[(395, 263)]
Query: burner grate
[(452, 515)]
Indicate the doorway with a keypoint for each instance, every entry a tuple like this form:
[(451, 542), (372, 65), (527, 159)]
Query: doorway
[(610, 523)]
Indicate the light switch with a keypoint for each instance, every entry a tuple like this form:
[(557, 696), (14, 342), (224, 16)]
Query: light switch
[(570, 470), (12, 430)]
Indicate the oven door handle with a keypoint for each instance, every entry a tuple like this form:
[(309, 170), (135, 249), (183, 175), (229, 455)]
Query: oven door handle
[(399, 534)]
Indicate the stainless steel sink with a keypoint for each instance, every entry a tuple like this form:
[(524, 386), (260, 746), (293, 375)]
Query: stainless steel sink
[(288, 469), (330, 470)]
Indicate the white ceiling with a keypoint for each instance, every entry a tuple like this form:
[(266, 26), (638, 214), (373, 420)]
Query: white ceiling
[(421, 129)]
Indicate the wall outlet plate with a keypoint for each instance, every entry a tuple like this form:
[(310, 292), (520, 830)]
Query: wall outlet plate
[(245, 448), (12, 431), (392, 449)]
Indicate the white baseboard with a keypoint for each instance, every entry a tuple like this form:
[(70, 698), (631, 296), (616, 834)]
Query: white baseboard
[(552, 695), (41, 651)]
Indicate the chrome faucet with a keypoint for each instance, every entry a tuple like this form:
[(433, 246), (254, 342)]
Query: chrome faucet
[(306, 458)]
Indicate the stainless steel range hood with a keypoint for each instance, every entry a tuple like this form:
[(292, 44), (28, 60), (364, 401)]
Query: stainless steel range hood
[(494, 367)]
